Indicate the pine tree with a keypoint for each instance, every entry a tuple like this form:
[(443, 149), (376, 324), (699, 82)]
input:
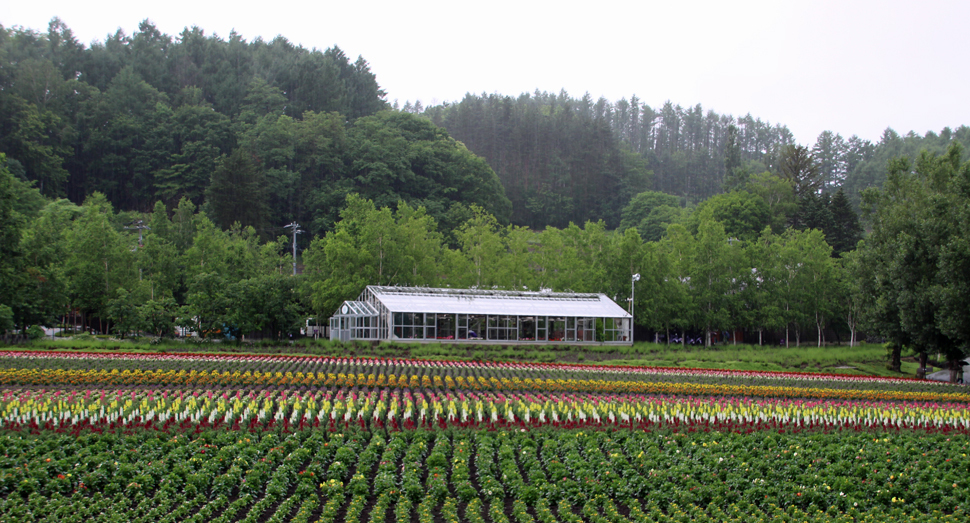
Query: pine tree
[(735, 177), (237, 192), (846, 230), (814, 213)]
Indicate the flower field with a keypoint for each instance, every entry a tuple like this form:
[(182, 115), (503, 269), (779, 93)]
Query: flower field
[(155, 437), (208, 370), (168, 410)]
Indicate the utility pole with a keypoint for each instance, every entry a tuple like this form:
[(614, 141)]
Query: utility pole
[(140, 225), (295, 230), (635, 278)]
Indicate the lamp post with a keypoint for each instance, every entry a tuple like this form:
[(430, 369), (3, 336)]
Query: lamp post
[(634, 280)]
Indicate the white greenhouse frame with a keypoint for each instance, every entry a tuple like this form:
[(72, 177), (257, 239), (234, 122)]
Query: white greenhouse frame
[(418, 314)]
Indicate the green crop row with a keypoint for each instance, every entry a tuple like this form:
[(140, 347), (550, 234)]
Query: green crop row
[(546, 475)]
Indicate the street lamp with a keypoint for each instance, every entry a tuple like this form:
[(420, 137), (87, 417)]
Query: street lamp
[(634, 280)]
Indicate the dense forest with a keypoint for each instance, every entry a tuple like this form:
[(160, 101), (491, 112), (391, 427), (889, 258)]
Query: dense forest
[(268, 133), (564, 159), (145, 182), (263, 133)]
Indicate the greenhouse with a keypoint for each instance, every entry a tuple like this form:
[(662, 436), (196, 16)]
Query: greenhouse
[(474, 315)]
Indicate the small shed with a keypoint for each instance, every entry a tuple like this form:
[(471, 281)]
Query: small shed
[(476, 315)]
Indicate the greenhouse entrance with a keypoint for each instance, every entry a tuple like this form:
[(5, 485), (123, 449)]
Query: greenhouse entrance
[(356, 320)]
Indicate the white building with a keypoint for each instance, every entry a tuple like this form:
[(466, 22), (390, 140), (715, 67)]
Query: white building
[(470, 315)]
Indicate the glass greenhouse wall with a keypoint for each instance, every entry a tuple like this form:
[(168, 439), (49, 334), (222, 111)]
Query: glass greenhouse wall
[(426, 314)]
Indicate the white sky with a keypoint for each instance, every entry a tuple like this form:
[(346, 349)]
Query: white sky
[(852, 67)]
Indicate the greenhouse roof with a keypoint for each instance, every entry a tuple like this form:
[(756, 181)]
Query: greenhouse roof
[(495, 302), (357, 308)]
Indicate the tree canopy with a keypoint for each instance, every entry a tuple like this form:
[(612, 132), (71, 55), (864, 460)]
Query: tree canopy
[(916, 277)]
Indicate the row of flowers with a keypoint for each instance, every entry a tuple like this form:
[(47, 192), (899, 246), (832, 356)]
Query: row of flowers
[(403, 408), (91, 369), (367, 363), (206, 378), (225, 476)]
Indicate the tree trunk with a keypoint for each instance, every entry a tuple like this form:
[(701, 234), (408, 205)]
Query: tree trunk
[(921, 372), (895, 355), (818, 324)]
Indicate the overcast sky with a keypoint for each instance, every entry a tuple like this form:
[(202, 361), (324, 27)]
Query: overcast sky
[(852, 67)]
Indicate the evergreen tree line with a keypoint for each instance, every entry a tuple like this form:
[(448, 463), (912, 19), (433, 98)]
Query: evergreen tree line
[(263, 133), (564, 159), (559, 160)]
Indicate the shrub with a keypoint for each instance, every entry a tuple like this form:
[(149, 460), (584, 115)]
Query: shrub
[(35, 332)]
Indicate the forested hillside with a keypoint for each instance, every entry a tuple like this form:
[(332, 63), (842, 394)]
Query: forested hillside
[(263, 133), (561, 158), (564, 159), (266, 133)]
